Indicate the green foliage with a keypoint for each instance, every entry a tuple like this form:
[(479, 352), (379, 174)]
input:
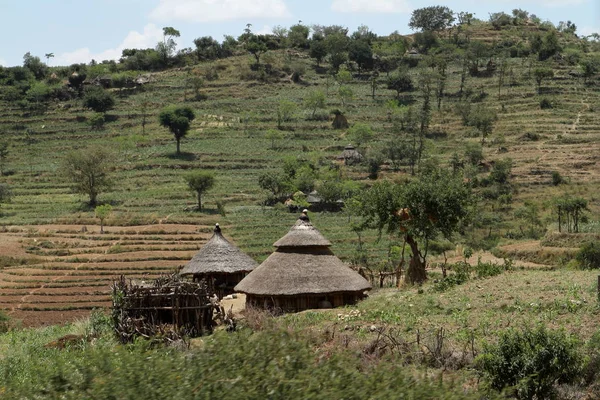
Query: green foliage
[(531, 362), (98, 99), (200, 182), (588, 255), (541, 74), (273, 364), (360, 134), (474, 153), (273, 136), (318, 50), (315, 101), (434, 18), (4, 151), (545, 104), (35, 65), (88, 170), (557, 178), (178, 120), (5, 193), (285, 112), (400, 82), (256, 46), (97, 121), (298, 36), (102, 212), (483, 119), (501, 171)]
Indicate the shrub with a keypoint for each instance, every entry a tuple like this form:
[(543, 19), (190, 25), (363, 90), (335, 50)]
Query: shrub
[(97, 121), (557, 178), (588, 256), (530, 361), (98, 99), (545, 104)]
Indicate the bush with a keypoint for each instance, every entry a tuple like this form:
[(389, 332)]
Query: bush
[(98, 99), (530, 362), (545, 104), (97, 121), (588, 256), (557, 178)]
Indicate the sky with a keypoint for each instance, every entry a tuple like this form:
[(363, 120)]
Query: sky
[(78, 31)]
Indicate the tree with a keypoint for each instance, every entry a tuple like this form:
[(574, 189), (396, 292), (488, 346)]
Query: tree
[(285, 112), (273, 135), (345, 94), (314, 101), (530, 214), (200, 182), (256, 46), (400, 82), (569, 211), (590, 66), (298, 36), (3, 155), (360, 134), (98, 99), (318, 50), (102, 212), (361, 53), (540, 74), (274, 182), (483, 119), (207, 48), (35, 65), (88, 170), (48, 57), (166, 48), (178, 120), (434, 18), (435, 204)]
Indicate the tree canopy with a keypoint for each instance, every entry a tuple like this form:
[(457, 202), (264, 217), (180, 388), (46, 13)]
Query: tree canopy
[(433, 18), (200, 182), (88, 171), (437, 203), (178, 120)]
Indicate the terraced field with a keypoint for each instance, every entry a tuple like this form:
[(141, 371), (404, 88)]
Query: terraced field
[(69, 271), (65, 273)]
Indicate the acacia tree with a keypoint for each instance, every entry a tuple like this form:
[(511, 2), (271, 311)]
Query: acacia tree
[(88, 170), (435, 204), (540, 74), (200, 182), (433, 18), (102, 212), (178, 120)]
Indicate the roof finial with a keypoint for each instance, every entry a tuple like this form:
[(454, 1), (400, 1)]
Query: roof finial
[(217, 228), (304, 216)]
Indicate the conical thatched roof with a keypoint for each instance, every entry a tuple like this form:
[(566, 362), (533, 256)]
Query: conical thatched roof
[(302, 234), (302, 264), (218, 255)]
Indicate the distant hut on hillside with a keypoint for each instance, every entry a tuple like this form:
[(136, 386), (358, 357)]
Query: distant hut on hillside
[(350, 155), (302, 274), (220, 263)]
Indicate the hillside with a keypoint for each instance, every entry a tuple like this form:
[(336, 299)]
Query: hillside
[(236, 112)]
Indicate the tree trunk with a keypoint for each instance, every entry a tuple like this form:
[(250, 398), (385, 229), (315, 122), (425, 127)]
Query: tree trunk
[(199, 201), (178, 149), (416, 273), (102, 226)]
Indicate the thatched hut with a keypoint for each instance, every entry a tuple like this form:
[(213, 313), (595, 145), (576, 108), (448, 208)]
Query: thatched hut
[(302, 274), (350, 155), (220, 263)]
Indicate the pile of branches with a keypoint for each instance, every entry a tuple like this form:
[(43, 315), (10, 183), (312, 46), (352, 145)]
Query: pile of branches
[(166, 310)]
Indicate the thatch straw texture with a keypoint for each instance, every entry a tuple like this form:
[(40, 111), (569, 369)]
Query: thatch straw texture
[(218, 255), (308, 270), (302, 234)]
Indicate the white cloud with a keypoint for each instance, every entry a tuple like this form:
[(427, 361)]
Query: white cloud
[(134, 40), (218, 10), (3, 63), (371, 6), (550, 3)]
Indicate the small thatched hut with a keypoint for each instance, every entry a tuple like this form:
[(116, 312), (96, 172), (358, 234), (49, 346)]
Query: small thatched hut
[(301, 274), (350, 155), (220, 263)]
